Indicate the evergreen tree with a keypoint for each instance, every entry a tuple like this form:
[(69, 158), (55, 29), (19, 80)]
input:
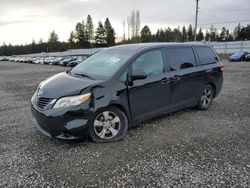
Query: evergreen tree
[(146, 34), (207, 36), (200, 35), (157, 36), (161, 36), (237, 32), (72, 40), (100, 37), (190, 33), (109, 33), (247, 32), (80, 34), (184, 34), (177, 35), (53, 37), (213, 34), (168, 35), (89, 29), (223, 34), (53, 43)]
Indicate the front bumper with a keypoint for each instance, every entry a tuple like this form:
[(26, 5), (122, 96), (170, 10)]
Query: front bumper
[(66, 124), (234, 59)]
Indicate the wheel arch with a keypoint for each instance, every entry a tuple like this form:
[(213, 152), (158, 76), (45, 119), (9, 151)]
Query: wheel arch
[(214, 87), (123, 109)]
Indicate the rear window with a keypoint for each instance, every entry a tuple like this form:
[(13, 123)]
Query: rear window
[(206, 55), (180, 58)]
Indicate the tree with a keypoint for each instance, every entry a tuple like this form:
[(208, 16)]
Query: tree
[(137, 23), (146, 34), (184, 34), (168, 35), (190, 33), (100, 36), (223, 34), (53, 37), (213, 34), (200, 35), (109, 33), (207, 36), (72, 40), (80, 34), (247, 33), (237, 32), (177, 35), (53, 43), (89, 29), (134, 24)]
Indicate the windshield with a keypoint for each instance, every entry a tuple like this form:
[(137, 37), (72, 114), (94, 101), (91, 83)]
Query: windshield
[(104, 64)]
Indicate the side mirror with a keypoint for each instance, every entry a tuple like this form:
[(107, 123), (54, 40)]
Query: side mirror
[(138, 75)]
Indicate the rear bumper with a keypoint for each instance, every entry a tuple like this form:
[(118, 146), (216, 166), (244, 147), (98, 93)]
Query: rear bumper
[(63, 124)]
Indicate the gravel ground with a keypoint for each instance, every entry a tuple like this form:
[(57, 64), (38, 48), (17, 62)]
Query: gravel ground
[(189, 148)]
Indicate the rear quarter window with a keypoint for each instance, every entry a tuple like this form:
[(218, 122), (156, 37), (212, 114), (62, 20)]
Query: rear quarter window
[(206, 55), (180, 58)]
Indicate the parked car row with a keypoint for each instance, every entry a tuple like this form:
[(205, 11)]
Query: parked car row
[(70, 61), (4, 58), (241, 56)]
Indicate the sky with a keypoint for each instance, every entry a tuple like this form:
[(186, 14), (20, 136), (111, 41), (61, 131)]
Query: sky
[(22, 21)]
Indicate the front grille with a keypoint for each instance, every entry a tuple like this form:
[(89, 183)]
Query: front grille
[(41, 102)]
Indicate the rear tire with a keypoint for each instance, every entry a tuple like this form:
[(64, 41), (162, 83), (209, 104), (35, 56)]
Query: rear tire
[(109, 125), (206, 99)]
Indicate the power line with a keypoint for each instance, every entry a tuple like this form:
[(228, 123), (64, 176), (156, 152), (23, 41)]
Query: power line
[(218, 23), (228, 10)]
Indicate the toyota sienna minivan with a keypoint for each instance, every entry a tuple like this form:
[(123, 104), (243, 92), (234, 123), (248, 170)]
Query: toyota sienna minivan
[(121, 86)]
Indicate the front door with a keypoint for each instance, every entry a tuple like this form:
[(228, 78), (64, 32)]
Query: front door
[(149, 97)]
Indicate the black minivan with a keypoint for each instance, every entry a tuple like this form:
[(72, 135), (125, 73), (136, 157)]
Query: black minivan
[(121, 86)]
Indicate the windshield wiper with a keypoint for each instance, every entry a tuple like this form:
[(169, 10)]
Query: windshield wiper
[(84, 75)]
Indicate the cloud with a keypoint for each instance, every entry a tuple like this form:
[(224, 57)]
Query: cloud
[(6, 23), (46, 15)]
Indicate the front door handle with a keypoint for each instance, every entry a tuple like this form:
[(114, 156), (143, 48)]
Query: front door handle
[(165, 80), (175, 78)]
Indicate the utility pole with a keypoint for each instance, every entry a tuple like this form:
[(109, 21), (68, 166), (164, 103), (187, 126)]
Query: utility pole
[(196, 19), (124, 27)]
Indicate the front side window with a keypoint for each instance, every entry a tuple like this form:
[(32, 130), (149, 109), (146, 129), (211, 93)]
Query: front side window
[(103, 64), (180, 58), (206, 55), (150, 62)]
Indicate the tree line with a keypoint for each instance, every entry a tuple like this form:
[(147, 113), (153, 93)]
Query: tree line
[(187, 34), (85, 36)]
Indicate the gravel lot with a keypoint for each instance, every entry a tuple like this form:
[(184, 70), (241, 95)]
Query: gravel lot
[(189, 148)]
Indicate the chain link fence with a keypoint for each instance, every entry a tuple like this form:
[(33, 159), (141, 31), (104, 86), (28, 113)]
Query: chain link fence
[(231, 47)]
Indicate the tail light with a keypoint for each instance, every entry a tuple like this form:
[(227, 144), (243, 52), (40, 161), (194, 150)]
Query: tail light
[(222, 66)]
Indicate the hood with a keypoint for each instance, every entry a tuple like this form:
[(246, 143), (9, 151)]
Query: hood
[(64, 84)]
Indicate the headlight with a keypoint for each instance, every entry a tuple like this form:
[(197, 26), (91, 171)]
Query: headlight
[(72, 101)]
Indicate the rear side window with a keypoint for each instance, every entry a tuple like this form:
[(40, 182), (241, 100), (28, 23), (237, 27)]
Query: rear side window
[(206, 55), (180, 58)]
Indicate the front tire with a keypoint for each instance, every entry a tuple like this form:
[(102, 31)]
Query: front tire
[(109, 125), (207, 98)]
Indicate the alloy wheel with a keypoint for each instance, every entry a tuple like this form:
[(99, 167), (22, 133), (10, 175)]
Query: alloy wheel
[(107, 125), (207, 97)]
